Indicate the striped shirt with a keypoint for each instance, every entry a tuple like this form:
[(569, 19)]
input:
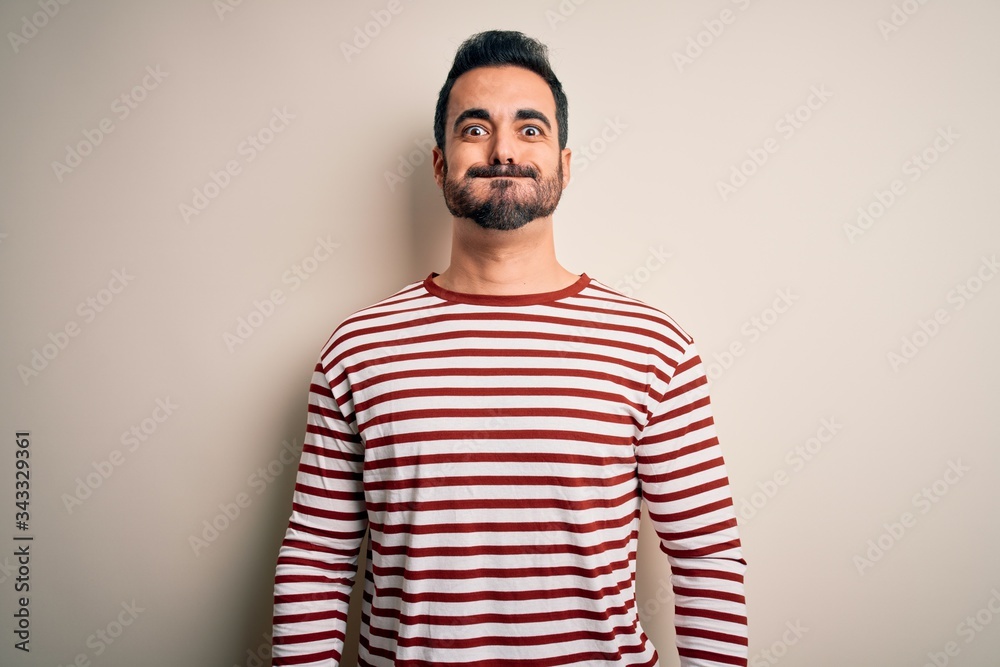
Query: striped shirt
[(497, 449)]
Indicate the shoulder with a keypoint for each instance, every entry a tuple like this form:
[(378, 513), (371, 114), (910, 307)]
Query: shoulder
[(371, 319), (670, 348), (627, 310)]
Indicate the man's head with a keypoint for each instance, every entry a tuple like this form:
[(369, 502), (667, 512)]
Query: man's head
[(500, 127), (497, 48)]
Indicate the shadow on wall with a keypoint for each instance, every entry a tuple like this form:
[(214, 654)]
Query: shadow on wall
[(256, 607), (425, 226), (429, 220)]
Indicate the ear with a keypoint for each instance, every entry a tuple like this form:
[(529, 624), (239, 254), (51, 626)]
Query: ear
[(437, 158), (567, 157)]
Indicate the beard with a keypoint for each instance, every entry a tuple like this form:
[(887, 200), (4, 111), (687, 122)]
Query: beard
[(505, 207)]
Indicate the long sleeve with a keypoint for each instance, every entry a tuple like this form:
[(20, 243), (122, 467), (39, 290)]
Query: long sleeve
[(317, 561), (686, 489)]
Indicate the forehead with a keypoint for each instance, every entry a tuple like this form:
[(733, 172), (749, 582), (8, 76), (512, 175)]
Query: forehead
[(504, 89)]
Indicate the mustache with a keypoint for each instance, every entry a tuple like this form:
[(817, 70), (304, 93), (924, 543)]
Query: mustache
[(499, 170)]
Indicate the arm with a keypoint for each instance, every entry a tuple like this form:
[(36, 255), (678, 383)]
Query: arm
[(686, 489), (317, 561)]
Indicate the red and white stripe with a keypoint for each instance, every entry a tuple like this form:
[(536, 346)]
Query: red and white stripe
[(497, 449)]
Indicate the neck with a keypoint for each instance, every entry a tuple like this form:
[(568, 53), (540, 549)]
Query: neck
[(491, 261)]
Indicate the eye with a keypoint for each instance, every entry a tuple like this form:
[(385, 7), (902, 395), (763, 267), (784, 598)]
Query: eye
[(533, 130), (481, 131)]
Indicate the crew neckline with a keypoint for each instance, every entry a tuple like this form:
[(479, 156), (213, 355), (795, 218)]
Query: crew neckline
[(505, 299)]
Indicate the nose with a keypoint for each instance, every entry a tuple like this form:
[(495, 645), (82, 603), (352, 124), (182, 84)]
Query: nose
[(503, 149)]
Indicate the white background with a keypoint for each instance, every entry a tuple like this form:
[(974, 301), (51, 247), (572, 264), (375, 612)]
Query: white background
[(893, 76)]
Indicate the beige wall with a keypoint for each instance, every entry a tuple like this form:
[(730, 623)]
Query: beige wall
[(798, 308)]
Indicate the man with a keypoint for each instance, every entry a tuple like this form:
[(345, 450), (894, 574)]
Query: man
[(495, 428)]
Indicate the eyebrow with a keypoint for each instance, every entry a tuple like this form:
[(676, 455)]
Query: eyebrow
[(521, 114)]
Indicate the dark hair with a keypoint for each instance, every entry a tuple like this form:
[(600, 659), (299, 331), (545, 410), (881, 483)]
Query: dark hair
[(495, 48)]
